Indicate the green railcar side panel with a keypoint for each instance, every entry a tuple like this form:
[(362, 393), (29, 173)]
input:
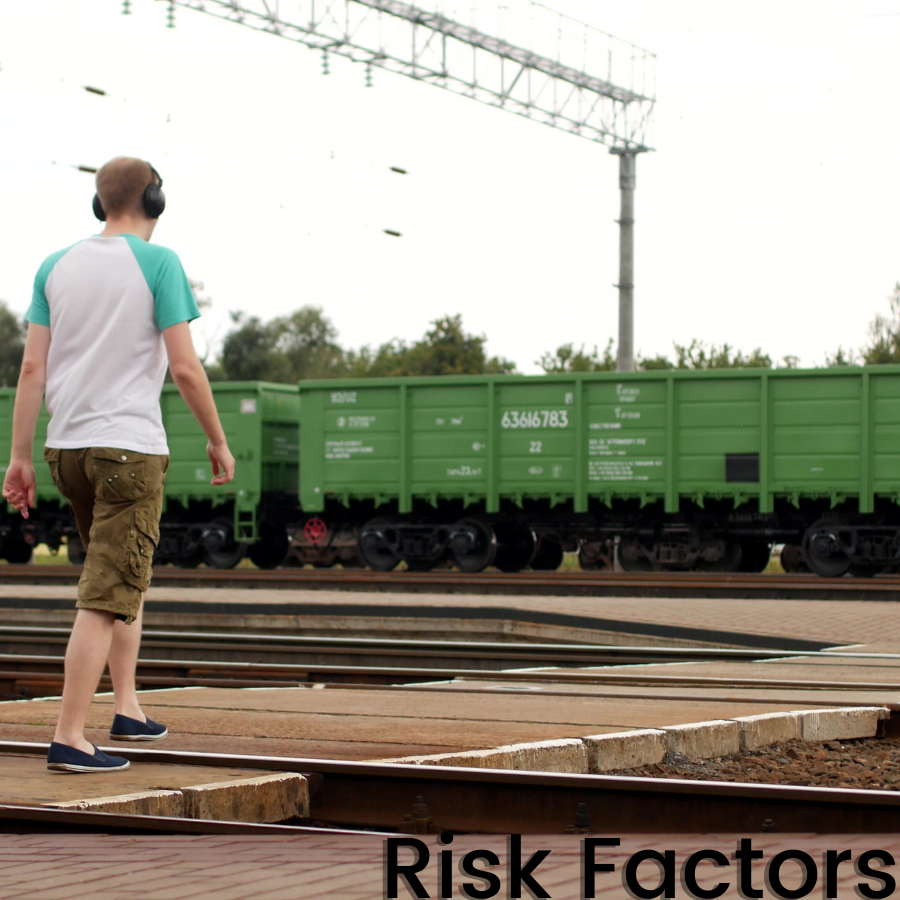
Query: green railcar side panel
[(447, 440), (281, 441), (717, 418), (535, 422), (7, 398), (261, 422), (46, 491), (655, 436), (885, 429), (816, 434), (626, 436)]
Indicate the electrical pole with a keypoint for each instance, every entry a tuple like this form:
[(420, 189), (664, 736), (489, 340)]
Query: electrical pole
[(627, 160)]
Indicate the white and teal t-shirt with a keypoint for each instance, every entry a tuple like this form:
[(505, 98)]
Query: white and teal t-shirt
[(107, 302)]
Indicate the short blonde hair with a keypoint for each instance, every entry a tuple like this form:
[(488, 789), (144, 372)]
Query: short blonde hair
[(121, 184)]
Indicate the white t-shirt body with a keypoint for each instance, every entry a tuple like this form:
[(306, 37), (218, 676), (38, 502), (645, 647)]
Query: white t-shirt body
[(107, 302)]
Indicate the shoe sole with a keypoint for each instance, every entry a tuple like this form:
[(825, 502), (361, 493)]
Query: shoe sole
[(138, 737), (71, 767)]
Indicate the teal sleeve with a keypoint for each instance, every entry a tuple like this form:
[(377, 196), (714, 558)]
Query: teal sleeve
[(173, 298), (39, 311)]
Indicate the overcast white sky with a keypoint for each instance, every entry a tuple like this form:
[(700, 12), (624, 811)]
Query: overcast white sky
[(768, 215)]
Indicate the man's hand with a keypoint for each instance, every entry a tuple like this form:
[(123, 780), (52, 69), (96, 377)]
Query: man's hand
[(222, 462), (20, 483)]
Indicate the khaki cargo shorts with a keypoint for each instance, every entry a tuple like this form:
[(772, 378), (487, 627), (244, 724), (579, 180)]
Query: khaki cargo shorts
[(116, 498)]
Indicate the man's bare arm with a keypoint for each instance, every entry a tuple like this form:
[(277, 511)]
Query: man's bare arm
[(190, 379), (20, 483)]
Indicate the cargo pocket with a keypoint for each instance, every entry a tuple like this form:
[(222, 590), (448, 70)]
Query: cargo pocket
[(51, 456), (136, 558), (119, 474)]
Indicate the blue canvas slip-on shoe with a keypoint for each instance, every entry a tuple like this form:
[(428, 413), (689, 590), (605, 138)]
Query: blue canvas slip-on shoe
[(126, 729), (63, 758)]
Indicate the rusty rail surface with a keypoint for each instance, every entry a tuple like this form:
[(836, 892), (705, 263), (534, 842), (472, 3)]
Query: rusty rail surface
[(21, 819), (433, 799), (610, 584)]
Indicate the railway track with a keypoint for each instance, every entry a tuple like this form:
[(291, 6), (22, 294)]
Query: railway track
[(21, 819), (611, 584), (31, 663), (432, 799)]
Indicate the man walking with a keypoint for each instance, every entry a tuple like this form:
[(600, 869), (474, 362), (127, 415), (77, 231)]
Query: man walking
[(107, 316)]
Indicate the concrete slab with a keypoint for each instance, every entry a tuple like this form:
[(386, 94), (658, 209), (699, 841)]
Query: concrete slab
[(524, 707), (568, 756), (841, 724), (143, 803), (625, 750), (248, 745), (704, 740), (769, 728), (158, 789), (461, 733), (263, 798)]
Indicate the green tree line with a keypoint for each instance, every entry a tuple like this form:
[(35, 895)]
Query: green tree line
[(304, 345)]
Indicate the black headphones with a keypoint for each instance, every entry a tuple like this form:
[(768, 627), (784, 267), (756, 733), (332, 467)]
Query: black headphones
[(153, 200)]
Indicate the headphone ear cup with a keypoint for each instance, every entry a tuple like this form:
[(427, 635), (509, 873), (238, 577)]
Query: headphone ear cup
[(98, 208), (154, 201)]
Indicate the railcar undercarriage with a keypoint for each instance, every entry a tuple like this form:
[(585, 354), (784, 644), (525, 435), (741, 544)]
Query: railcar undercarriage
[(827, 542)]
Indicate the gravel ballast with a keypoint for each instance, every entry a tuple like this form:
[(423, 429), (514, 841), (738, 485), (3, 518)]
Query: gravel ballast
[(867, 763)]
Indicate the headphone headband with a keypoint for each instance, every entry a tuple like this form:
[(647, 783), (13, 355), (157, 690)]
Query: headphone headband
[(153, 200)]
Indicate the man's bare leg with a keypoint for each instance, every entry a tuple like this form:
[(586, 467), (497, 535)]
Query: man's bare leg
[(86, 655), (123, 654)]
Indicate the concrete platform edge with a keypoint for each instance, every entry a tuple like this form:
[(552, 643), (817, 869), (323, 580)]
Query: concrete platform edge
[(640, 747)]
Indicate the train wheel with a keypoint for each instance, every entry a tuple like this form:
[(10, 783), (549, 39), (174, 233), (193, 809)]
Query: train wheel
[(272, 547), (729, 561), (223, 551), (792, 560), (549, 555), (596, 556), (377, 545), (516, 546), (632, 558), (823, 549), (755, 556), (473, 546)]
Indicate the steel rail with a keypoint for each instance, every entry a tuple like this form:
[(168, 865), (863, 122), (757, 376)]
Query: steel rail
[(767, 699), (19, 818), (663, 584), (506, 651), (288, 672), (381, 795)]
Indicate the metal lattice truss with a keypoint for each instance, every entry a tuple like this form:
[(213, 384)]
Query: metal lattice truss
[(565, 74)]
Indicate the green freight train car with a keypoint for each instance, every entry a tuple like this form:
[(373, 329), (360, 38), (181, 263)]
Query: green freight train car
[(673, 469), (201, 522), (663, 470)]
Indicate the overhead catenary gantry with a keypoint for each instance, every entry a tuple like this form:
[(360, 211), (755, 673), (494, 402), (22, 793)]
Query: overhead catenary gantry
[(534, 62)]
